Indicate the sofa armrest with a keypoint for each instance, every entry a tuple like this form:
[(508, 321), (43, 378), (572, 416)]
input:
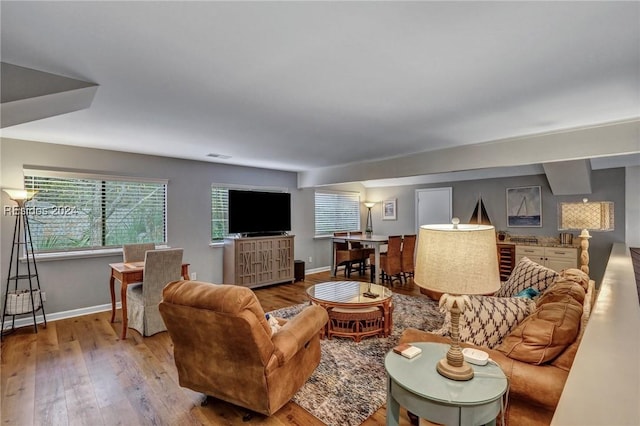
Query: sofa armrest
[(298, 331), (540, 385)]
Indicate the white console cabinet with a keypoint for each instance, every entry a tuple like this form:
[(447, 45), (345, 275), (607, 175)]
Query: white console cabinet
[(556, 258)]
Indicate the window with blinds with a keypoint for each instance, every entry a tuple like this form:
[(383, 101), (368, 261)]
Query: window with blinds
[(219, 213), (336, 211), (71, 211)]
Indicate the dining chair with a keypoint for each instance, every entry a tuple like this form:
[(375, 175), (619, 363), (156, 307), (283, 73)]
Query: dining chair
[(160, 268), (366, 251), (135, 252), (407, 256), (346, 256), (390, 262)]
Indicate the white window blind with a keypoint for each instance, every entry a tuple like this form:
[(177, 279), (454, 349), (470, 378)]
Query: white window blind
[(219, 213), (71, 211), (336, 211)]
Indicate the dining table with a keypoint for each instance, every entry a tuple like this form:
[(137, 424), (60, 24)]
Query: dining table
[(129, 273), (373, 240)]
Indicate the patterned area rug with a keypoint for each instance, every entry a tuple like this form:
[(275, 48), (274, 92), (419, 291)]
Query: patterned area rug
[(349, 385)]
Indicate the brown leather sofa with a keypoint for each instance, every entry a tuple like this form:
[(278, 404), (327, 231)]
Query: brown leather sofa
[(224, 347), (537, 355)]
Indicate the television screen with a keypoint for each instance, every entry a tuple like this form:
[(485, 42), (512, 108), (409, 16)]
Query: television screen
[(257, 212)]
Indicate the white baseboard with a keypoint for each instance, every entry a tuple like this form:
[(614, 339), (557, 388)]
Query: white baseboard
[(28, 319), (316, 270)]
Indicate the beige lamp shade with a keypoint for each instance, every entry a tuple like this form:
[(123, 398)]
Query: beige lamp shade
[(590, 215), (457, 259), (369, 204), (19, 194)]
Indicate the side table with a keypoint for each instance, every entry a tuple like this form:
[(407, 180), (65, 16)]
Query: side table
[(416, 385)]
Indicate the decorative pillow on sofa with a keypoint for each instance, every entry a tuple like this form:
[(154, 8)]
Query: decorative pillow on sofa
[(553, 326), (489, 319), (527, 273)]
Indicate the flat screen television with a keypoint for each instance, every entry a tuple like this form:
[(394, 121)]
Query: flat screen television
[(259, 212)]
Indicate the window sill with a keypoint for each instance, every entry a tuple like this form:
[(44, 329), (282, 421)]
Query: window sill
[(78, 254)]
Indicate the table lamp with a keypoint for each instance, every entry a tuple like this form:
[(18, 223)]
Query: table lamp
[(457, 260), (368, 230), (585, 216)]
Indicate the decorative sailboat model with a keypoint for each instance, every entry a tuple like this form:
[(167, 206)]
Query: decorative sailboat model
[(479, 215)]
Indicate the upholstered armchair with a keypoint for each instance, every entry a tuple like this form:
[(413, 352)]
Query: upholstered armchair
[(224, 347), (160, 268)]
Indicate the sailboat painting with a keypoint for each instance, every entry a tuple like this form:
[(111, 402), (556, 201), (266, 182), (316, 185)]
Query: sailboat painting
[(524, 207)]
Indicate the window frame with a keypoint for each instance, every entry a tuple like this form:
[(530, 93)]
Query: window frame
[(104, 248), (341, 226)]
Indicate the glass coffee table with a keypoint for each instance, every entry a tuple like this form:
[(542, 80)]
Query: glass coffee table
[(356, 309)]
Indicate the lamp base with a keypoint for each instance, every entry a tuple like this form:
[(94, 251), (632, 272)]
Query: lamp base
[(464, 372)]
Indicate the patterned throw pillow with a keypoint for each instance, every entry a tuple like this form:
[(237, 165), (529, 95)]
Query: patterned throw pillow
[(489, 319), (527, 273)]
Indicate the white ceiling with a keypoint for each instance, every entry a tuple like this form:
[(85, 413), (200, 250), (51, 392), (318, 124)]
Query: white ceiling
[(306, 85)]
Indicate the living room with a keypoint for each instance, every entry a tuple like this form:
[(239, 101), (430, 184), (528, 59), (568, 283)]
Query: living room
[(77, 283)]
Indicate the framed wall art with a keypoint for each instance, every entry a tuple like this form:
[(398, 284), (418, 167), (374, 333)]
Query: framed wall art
[(389, 209), (524, 207)]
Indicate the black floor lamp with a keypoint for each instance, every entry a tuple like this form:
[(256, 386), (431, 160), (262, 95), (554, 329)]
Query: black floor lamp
[(20, 301), (369, 228)]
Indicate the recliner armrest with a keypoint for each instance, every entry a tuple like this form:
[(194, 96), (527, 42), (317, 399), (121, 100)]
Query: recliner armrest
[(295, 334)]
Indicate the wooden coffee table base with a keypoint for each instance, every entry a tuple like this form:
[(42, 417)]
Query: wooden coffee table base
[(353, 313), (358, 323)]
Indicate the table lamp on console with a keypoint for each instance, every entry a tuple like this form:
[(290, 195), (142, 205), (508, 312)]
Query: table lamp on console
[(457, 260), (584, 216)]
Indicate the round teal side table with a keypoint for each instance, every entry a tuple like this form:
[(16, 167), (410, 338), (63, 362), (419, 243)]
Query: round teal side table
[(416, 385)]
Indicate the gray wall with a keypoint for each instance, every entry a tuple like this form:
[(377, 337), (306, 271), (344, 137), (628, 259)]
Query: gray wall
[(607, 185), (80, 283)]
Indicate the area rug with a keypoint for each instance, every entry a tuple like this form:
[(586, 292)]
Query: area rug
[(349, 385)]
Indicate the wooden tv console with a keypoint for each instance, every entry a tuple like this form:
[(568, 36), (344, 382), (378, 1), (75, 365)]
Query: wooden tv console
[(258, 261)]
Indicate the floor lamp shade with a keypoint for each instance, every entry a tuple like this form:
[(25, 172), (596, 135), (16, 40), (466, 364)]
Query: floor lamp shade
[(457, 260)]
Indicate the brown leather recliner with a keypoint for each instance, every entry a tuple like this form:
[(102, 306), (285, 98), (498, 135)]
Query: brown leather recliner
[(223, 346)]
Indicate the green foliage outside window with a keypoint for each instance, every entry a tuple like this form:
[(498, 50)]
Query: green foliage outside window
[(72, 213)]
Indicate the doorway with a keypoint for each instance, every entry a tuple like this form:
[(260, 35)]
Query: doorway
[(433, 205)]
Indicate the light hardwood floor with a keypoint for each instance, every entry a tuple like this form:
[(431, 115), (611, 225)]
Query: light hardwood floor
[(78, 372)]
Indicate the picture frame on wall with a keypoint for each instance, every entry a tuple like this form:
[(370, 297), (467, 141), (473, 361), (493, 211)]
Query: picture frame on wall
[(524, 207), (389, 209)]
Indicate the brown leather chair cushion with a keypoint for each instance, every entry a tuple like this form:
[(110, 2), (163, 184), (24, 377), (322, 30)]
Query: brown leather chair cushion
[(547, 332)]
